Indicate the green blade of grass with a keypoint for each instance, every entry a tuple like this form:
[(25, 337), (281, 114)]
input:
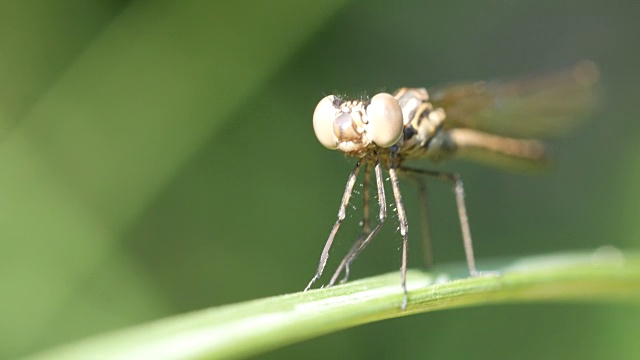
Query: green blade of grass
[(253, 327)]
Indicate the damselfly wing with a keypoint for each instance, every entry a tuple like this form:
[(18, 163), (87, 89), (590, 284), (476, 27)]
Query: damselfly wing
[(497, 123)]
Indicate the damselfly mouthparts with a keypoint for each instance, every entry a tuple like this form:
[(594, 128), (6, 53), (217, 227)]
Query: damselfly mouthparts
[(491, 122)]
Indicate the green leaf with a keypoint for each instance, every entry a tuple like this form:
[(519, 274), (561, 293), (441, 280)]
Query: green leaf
[(253, 327)]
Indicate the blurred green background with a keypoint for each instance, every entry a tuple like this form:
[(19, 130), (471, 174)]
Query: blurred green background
[(157, 157)]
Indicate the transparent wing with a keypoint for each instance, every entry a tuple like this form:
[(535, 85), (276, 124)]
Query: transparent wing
[(542, 106)]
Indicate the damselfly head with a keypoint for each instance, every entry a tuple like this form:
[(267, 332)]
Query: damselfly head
[(353, 125)]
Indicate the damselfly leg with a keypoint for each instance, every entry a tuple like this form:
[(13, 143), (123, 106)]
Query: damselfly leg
[(342, 212), (355, 251), (404, 226), (361, 244), (458, 188), (365, 225), (421, 185)]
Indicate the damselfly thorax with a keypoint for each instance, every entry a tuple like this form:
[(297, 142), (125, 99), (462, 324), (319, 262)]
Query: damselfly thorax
[(491, 122)]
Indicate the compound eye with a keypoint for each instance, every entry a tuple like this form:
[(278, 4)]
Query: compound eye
[(323, 118), (385, 120)]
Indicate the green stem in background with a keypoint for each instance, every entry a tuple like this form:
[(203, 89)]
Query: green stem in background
[(253, 327)]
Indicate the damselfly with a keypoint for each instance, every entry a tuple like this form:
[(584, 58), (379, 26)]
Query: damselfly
[(492, 122)]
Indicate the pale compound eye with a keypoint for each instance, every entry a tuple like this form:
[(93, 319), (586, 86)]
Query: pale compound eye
[(323, 118), (385, 120)]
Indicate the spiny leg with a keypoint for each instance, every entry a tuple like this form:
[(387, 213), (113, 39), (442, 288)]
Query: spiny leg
[(383, 215), (427, 245), (404, 226), (342, 211), (462, 211), (366, 185)]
